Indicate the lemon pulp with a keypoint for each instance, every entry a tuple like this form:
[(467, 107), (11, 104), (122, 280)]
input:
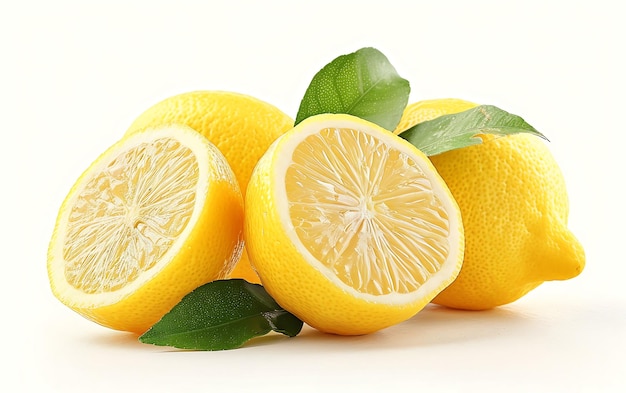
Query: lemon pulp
[(366, 223), (120, 225)]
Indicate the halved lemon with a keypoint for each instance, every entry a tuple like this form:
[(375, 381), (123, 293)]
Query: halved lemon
[(155, 216), (349, 226)]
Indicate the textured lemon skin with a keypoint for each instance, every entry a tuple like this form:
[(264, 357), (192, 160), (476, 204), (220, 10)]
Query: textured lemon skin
[(241, 126), (208, 253), (514, 204), (293, 282)]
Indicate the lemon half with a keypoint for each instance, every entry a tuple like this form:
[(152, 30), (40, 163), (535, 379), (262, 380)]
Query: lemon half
[(155, 216), (350, 227)]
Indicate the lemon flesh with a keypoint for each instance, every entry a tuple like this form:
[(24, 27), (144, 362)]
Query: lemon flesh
[(368, 231), (136, 232), (119, 226), (348, 218)]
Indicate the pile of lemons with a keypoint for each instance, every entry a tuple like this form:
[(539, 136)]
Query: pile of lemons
[(346, 225)]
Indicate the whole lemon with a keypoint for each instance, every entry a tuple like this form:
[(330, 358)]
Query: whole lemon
[(515, 207), (242, 127)]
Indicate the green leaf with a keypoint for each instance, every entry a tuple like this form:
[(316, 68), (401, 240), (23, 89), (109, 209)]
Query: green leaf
[(222, 314), (459, 130), (362, 84)]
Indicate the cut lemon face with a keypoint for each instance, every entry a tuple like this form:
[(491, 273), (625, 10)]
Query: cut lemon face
[(155, 216), (349, 226)]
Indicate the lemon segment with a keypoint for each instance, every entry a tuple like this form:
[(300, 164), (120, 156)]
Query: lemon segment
[(349, 226), (155, 216)]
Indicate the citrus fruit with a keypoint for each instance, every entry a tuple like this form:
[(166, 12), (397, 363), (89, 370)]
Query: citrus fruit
[(241, 126), (158, 214), (350, 227), (515, 207)]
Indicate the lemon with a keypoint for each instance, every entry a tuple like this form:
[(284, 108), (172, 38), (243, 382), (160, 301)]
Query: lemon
[(349, 226), (515, 207), (241, 126), (158, 214)]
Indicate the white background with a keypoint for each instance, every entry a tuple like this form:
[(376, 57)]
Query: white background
[(74, 76)]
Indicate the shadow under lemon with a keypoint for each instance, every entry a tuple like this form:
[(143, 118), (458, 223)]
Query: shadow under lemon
[(434, 325)]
